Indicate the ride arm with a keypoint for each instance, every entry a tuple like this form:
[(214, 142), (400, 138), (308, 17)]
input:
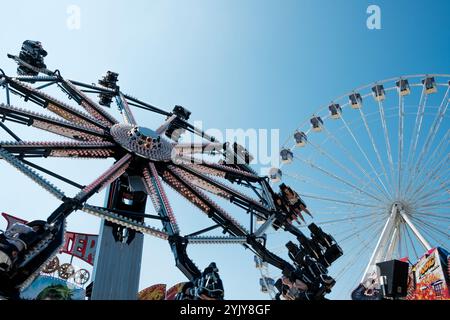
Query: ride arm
[(72, 204)]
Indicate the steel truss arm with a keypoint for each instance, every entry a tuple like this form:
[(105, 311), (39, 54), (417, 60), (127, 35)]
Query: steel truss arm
[(160, 201), (124, 221), (125, 109), (143, 105), (87, 103), (173, 177), (49, 124), (162, 206), (72, 204), (220, 170), (220, 189), (60, 149), (202, 148), (54, 105), (33, 175)]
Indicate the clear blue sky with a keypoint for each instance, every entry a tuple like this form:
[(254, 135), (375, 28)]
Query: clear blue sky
[(234, 64)]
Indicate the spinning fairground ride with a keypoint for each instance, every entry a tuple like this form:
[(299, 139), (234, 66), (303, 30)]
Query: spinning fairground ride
[(146, 161)]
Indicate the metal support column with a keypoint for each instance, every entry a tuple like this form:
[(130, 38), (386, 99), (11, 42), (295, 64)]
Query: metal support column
[(119, 252)]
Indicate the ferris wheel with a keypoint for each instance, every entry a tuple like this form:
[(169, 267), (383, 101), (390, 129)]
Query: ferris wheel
[(373, 166)]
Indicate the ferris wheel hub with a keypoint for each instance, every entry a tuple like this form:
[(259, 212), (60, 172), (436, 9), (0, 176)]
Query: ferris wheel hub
[(402, 206), (142, 141)]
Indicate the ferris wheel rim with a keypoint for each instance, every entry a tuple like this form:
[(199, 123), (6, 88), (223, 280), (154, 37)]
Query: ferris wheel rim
[(363, 87), (385, 128)]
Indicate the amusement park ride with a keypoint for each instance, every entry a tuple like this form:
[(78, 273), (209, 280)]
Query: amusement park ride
[(384, 172), (403, 203), (144, 159)]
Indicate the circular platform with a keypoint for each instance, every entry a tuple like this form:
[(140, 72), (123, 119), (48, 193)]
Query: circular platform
[(142, 141)]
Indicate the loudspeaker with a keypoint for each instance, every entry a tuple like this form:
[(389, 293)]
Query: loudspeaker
[(393, 278)]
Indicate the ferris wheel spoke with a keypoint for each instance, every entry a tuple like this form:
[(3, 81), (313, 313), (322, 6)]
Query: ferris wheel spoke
[(400, 241), (432, 226), (351, 262), (361, 229), (319, 197), (348, 154), (432, 215), (440, 149), (410, 248), (430, 164), (421, 177), (326, 222), (411, 242), (430, 232), (354, 233), (432, 180), (312, 182), (428, 205), (432, 169), (437, 176), (416, 131), (434, 193), (388, 144), (401, 125), (417, 126), (356, 238), (374, 147), (436, 181), (434, 128), (432, 218), (357, 256), (339, 164), (328, 211), (332, 175)]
